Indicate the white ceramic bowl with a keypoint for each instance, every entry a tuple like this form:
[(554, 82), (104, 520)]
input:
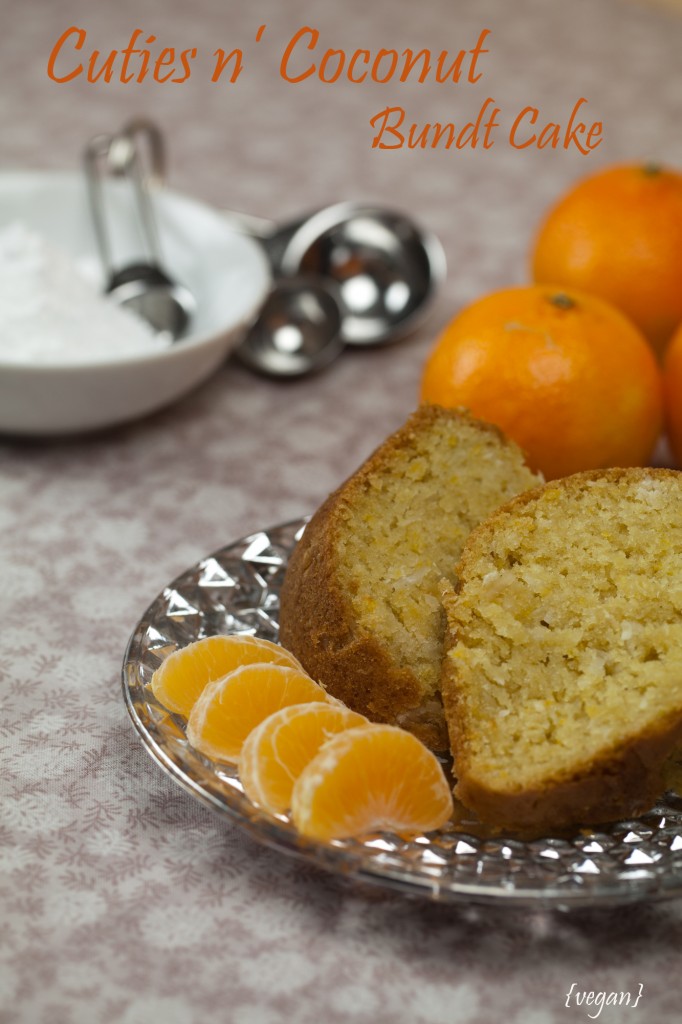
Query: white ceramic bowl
[(227, 273)]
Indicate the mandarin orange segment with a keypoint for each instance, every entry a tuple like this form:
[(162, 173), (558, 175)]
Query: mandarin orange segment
[(277, 751), (181, 678), (229, 708), (364, 780)]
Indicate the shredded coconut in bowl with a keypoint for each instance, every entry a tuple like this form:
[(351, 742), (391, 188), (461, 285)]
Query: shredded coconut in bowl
[(49, 314)]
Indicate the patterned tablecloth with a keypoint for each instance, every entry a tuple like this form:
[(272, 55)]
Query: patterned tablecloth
[(123, 900)]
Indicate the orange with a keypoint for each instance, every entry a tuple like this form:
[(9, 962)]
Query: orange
[(277, 751), (229, 708), (374, 778), (618, 234), (672, 383), (182, 676), (565, 375)]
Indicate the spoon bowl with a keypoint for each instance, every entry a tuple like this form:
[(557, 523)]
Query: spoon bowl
[(166, 305), (386, 268), (297, 331)]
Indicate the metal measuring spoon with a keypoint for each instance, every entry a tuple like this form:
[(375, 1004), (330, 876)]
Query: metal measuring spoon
[(386, 269), (378, 267), (143, 286), (297, 331)]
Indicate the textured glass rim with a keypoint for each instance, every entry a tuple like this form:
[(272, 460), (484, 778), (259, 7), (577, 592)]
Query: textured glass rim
[(422, 866)]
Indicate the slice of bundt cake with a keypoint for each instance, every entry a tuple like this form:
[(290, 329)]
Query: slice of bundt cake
[(360, 604), (562, 681)]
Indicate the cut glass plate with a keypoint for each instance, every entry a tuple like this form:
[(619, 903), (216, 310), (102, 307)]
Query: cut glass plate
[(236, 590)]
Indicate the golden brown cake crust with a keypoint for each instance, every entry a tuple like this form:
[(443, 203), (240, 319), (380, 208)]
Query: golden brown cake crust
[(622, 781), (317, 621)]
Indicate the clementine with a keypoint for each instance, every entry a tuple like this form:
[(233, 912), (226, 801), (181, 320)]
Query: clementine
[(672, 387), (618, 234), (564, 374)]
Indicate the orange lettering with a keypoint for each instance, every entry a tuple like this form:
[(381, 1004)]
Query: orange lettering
[(127, 54), (434, 135), (78, 45), (420, 139), (549, 136), (133, 63), (454, 70), (351, 66), (393, 54), (411, 59), (553, 134), (186, 56), (284, 66), (470, 133), (476, 53), (514, 128), (223, 60), (595, 131), (392, 129), (491, 123), (440, 130), (107, 68), (329, 55), (165, 59), (572, 132)]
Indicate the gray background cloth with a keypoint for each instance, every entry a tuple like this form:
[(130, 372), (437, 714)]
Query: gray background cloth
[(123, 900)]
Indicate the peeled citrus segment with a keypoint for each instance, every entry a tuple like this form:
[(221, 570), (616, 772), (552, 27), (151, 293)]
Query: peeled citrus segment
[(229, 708), (277, 751), (375, 778), (181, 678)]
